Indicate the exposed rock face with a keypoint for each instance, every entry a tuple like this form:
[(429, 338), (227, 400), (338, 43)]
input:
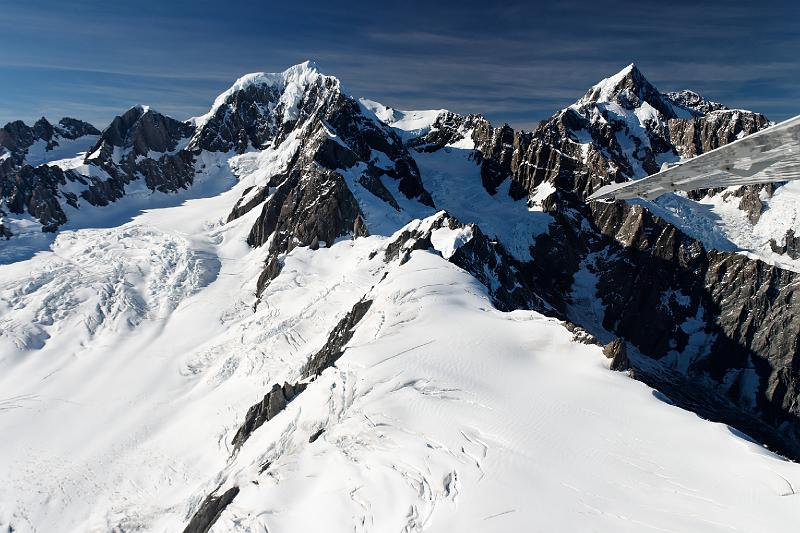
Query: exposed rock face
[(710, 325), (210, 510), (140, 143), (279, 396), (507, 279), (72, 128), (36, 191), (337, 339), (273, 403), (725, 323), (618, 353), (791, 246), (309, 210), (623, 128), (312, 205), (695, 102), (448, 128), (141, 130), (336, 132), (17, 137), (751, 204)]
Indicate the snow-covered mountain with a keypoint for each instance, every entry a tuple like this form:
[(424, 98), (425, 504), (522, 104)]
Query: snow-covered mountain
[(304, 310)]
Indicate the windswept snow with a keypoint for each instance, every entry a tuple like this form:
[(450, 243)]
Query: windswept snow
[(411, 122), (38, 154), (132, 345), (454, 182), (447, 415), (291, 82)]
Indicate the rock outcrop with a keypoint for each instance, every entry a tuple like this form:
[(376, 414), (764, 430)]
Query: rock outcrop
[(17, 137), (337, 339), (140, 143), (210, 510), (790, 247), (727, 323), (273, 403)]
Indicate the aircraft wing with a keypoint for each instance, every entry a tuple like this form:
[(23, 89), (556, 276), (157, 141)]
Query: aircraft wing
[(772, 154)]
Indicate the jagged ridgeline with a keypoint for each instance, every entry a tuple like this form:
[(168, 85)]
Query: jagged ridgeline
[(695, 294), (722, 320)]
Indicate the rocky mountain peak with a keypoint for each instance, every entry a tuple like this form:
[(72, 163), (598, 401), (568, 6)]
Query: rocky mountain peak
[(72, 128), (17, 137), (143, 129), (43, 129), (630, 90), (693, 101), (260, 108)]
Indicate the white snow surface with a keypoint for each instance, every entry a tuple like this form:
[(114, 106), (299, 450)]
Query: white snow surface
[(414, 122), (132, 345), (292, 82), (130, 355), (37, 154), (719, 224)]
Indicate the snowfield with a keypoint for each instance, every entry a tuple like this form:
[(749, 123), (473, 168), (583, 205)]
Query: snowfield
[(131, 354), (132, 345)]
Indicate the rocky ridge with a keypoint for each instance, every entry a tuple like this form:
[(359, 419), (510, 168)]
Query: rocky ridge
[(716, 331), (720, 319)]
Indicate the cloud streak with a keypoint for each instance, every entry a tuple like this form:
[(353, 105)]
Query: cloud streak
[(518, 63)]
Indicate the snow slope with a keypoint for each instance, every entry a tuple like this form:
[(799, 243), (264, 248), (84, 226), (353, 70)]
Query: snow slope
[(415, 122), (132, 345), (38, 154), (719, 224), (444, 414), (447, 415)]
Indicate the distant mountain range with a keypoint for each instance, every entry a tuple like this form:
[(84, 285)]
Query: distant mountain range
[(305, 310)]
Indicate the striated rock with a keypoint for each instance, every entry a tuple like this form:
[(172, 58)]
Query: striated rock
[(751, 204), (314, 207), (72, 128), (694, 102), (448, 128), (17, 136), (142, 130), (506, 279), (701, 134), (210, 510), (791, 246), (337, 339), (618, 353), (273, 403), (360, 228), (37, 191), (726, 323), (139, 143)]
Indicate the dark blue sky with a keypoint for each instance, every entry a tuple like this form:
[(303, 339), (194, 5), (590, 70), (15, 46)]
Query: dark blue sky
[(512, 61)]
